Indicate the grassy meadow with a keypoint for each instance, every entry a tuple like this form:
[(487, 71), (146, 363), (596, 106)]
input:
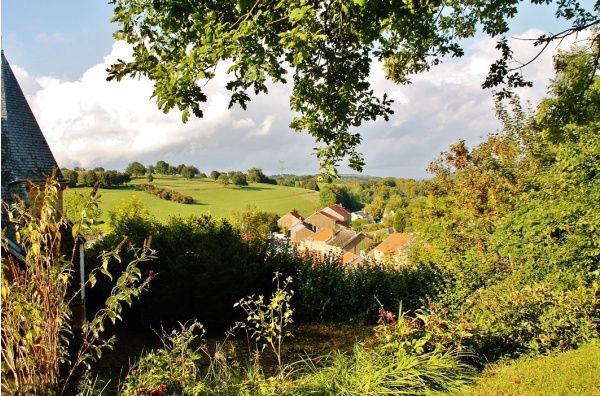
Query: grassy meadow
[(209, 197)]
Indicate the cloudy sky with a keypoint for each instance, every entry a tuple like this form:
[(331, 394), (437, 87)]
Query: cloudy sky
[(59, 51)]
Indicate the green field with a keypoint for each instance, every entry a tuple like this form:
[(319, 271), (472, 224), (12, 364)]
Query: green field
[(209, 197)]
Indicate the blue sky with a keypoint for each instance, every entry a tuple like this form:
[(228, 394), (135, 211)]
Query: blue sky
[(60, 49)]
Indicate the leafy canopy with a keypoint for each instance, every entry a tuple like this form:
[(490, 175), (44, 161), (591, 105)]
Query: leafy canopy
[(329, 46)]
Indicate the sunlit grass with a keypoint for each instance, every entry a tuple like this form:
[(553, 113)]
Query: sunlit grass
[(571, 373), (210, 197)]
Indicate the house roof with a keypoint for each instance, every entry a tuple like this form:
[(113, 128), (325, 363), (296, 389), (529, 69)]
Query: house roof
[(340, 210), (25, 151), (349, 257), (296, 215), (344, 238), (298, 226), (317, 217), (394, 242), (323, 236)]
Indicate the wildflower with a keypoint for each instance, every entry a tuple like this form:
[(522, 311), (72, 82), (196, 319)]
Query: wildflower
[(151, 275)]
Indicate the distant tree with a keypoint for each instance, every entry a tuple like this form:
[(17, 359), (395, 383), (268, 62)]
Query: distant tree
[(104, 179), (328, 195), (376, 208), (161, 167), (136, 169), (172, 170), (215, 175), (125, 177), (90, 178), (331, 194), (150, 177), (400, 221), (98, 169), (78, 169), (151, 169), (180, 168), (239, 179), (388, 181), (202, 175), (310, 184), (255, 222), (223, 179), (72, 177), (255, 175), (189, 172)]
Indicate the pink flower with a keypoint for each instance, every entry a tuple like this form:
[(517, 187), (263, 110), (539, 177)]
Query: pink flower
[(150, 276)]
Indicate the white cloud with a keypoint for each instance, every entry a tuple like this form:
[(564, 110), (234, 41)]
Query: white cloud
[(92, 122)]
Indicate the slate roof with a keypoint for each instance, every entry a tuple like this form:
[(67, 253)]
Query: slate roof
[(25, 152), (344, 237)]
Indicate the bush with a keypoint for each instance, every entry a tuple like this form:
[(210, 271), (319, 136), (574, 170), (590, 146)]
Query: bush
[(166, 194), (509, 321), (326, 291), (37, 322), (203, 267)]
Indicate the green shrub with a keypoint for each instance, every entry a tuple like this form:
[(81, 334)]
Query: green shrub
[(166, 194), (508, 321), (326, 291), (203, 267)]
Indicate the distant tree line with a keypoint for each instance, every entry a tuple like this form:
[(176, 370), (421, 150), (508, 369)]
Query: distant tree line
[(106, 179), (309, 182)]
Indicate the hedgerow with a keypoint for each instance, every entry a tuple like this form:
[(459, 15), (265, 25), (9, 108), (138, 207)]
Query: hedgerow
[(166, 193)]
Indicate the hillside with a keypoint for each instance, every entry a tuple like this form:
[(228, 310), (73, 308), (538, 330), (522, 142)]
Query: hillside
[(209, 197)]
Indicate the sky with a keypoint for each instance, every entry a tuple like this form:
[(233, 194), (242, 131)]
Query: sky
[(59, 51)]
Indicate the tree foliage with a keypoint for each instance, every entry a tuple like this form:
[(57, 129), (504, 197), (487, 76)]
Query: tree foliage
[(515, 223), (329, 46), (136, 169)]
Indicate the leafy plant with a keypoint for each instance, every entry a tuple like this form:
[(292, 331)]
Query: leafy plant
[(170, 370), (266, 321), (37, 292)]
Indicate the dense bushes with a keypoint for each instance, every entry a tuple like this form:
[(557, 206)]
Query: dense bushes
[(166, 194), (204, 266), (326, 291)]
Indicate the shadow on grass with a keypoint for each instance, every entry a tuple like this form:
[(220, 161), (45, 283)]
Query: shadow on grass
[(251, 188)]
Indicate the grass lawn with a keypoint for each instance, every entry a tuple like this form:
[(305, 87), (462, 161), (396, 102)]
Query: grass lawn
[(571, 373), (209, 197)]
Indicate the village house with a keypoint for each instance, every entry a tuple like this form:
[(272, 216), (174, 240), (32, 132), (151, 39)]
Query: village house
[(339, 213), (340, 242), (299, 232), (289, 220)]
